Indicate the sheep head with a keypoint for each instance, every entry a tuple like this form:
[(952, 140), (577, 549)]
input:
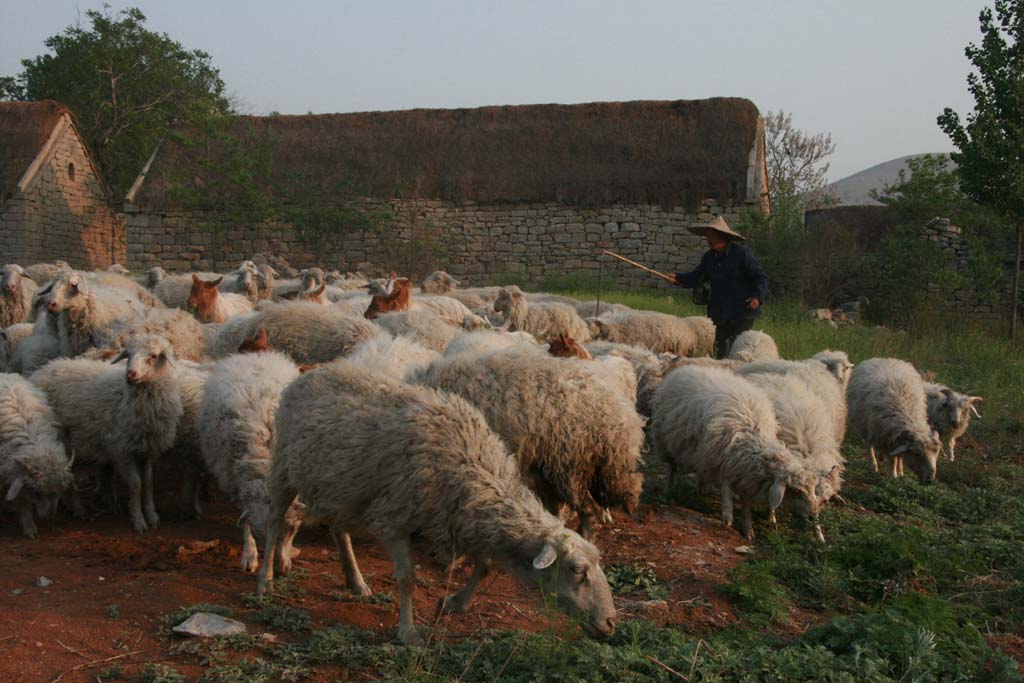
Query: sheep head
[(148, 356), (564, 346), (68, 290), (41, 479), (256, 343), (203, 296), (12, 279), (921, 453), (154, 276), (315, 296)]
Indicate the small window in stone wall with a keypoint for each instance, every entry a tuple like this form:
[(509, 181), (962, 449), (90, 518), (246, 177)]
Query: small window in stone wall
[(71, 171)]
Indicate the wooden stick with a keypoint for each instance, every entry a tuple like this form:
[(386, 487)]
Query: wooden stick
[(668, 278)]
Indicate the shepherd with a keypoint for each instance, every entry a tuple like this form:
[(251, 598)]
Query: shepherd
[(737, 282)]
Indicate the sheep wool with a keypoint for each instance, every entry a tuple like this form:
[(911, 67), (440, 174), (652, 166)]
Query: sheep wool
[(367, 453), (656, 332), (753, 345), (34, 467), (949, 413), (575, 434), (888, 409), (543, 319), (816, 377), (393, 356), (16, 290), (85, 311), (424, 326)]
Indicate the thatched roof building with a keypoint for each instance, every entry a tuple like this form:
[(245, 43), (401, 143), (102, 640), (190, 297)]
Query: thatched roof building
[(656, 152)]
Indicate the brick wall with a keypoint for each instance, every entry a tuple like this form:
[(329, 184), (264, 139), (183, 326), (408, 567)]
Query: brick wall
[(475, 243), (62, 217)]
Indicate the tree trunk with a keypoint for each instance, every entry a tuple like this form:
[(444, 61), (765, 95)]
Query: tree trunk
[(1015, 299)]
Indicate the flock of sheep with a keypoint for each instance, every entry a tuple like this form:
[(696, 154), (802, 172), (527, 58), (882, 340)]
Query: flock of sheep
[(473, 418)]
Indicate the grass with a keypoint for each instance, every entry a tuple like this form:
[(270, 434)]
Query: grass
[(916, 583)]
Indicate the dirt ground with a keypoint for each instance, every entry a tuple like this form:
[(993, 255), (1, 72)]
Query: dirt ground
[(110, 586)]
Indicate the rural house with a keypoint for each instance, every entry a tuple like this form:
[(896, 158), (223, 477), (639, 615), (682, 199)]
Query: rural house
[(53, 202), (531, 191)]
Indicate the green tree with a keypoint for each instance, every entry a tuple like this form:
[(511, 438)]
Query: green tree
[(127, 86), (990, 140)]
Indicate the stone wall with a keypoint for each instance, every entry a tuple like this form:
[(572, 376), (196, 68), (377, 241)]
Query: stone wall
[(62, 217), (476, 243)]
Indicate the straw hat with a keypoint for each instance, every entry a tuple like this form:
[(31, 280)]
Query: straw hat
[(718, 225)]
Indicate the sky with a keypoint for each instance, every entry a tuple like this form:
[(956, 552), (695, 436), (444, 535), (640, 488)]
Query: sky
[(873, 73)]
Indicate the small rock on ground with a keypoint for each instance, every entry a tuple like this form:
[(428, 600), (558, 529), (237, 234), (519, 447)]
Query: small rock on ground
[(207, 625)]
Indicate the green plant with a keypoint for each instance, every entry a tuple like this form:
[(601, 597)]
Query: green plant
[(160, 673), (756, 593), (113, 611), (626, 579), (283, 618)]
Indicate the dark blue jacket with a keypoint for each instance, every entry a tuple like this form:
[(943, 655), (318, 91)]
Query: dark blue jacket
[(735, 276)]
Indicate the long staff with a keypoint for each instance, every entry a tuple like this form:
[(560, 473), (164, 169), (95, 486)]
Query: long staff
[(667, 278)]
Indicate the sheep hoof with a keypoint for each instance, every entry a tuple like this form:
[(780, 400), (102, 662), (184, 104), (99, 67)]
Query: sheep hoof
[(139, 526), (250, 564), (264, 588), (361, 590), (153, 520), (450, 605), (29, 531)]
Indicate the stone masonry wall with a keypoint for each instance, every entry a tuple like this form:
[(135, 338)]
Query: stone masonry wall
[(475, 243), (61, 217)]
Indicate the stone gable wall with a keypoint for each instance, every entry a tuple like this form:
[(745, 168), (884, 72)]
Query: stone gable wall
[(62, 218), (476, 243)]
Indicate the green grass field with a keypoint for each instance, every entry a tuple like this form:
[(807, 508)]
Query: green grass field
[(916, 583)]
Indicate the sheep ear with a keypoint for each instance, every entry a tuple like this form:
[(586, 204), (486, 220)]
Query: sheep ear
[(546, 557), (120, 357), (899, 450), (195, 279), (776, 493), (242, 519), (15, 489), (215, 283), (168, 356), (71, 460)]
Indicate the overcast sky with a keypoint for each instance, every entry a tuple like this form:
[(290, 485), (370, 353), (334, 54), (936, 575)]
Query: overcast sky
[(874, 73)]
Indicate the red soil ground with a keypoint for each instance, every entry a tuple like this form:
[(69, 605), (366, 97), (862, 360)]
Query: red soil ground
[(100, 563)]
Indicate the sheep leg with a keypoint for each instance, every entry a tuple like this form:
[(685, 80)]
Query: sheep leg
[(353, 577), (952, 449), (77, 509), (28, 522), (894, 466), (900, 465), (148, 503), (284, 557), (872, 459), (129, 471), (727, 504), (400, 552), (748, 521), (275, 520), (250, 553), (457, 603)]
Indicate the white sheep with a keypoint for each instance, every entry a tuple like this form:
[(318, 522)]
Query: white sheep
[(838, 363), (38, 348), (124, 417), (658, 332), (542, 319), (211, 305), (394, 356), (888, 409), (235, 425), (592, 309), (174, 290), (367, 453), (575, 432), (183, 331), (438, 282), (489, 340), (44, 272), (825, 386), (753, 345), (86, 310), (16, 290), (949, 413), (424, 326), (10, 338), (34, 467), (648, 368), (723, 428)]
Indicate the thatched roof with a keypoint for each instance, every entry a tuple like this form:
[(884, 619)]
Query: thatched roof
[(663, 152), (24, 129)]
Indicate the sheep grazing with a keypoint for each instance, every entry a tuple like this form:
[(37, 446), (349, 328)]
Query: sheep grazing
[(489, 341), (438, 282), (475, 298), (949, 413), (444, 306), (16, 290), (426, 327), (34, 467), (805, 426), (753, 345), (185, 453), (124, 417), (235, 425), (888, 409), (817, 377), (566, 347), (306, 332), (838, 363), (595, 309), (39, 347), (44, 272), (544, 320), (85, 310), (394, 356), (575, 433), (657, 332), (399, 299), (723, 428), (127, 285), (704, 330), (648, 369), (213, 306), (367, 453)]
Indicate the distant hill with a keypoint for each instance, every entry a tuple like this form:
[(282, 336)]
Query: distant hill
[(855, 190)]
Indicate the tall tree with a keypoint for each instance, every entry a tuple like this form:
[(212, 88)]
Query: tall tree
[(127, 86), (990, 142), (797, 168)]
